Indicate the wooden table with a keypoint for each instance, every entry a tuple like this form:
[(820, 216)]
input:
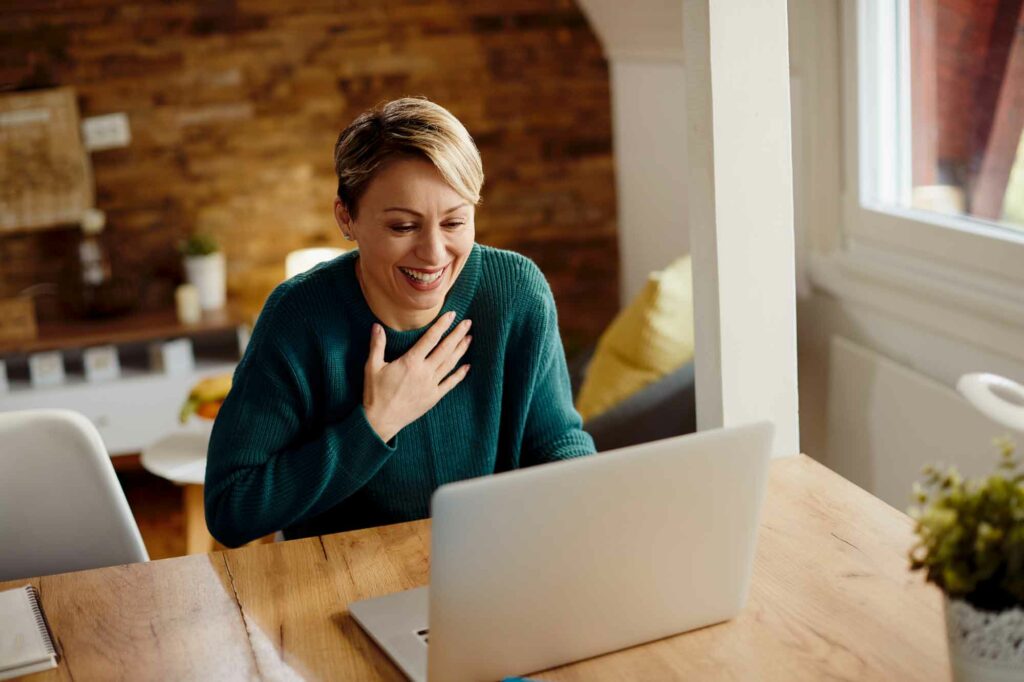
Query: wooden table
[(831, 599)]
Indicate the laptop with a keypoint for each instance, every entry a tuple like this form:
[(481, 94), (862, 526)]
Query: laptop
[(539, 567)]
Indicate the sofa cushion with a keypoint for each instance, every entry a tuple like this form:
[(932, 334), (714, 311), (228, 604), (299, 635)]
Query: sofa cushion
[(647, 341), (665, 408)]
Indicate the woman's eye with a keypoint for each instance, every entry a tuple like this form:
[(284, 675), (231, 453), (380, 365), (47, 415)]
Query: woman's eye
[(402, 228), (452, 226)]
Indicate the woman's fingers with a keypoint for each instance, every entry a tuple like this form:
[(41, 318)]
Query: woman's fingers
[(448, 363), (377, 343), (444, 349), (396, 394), (453, 380), (427, 342)]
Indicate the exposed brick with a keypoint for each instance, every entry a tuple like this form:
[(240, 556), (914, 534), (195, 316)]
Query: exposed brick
[(235, 105)]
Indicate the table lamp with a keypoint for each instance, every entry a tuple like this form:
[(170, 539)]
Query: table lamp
[(996, 397), (303, 259)]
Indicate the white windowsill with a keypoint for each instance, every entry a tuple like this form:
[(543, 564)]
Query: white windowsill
[(978, 250), (983, 312)]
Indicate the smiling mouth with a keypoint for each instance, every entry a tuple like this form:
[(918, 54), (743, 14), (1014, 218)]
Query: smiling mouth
[(423, 279)]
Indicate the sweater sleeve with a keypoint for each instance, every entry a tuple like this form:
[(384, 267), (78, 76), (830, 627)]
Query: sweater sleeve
[(553, 429), (264, 470)]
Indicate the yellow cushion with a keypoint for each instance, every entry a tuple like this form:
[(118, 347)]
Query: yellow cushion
[(646, 341)]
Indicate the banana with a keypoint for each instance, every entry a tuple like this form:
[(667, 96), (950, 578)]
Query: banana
[(188, 409)]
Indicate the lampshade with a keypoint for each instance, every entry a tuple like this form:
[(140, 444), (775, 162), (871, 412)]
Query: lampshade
[(303, 259), (996, 397)]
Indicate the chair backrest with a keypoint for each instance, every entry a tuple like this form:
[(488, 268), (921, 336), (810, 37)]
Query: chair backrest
[(61, 506)]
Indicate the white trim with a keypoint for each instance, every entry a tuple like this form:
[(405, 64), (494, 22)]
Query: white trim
[(972, 246), (904, 140), (883, 106)]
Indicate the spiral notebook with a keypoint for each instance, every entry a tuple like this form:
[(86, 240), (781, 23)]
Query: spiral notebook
[(26, 645)]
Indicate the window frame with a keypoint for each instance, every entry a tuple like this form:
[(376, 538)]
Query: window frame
[(951, 249)]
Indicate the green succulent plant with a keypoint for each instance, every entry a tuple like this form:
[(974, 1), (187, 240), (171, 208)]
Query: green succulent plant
[(199, 244), (971, 533)]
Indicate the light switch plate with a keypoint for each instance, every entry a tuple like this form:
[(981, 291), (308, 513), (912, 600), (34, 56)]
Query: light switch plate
[(106, 132)]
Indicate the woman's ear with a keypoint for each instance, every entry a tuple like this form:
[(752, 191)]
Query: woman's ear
[(343, 218)]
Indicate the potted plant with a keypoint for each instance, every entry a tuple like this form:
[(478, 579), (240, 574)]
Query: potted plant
[(971, 544), (205, 269)]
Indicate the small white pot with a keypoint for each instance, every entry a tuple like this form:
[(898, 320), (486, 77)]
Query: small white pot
[(207, 273), (985, 646)]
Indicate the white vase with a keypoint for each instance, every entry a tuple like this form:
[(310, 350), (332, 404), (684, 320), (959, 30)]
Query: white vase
[(207, 273), (985, 646)]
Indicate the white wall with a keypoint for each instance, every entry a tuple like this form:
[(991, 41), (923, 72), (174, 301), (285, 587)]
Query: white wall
[(649, 118), (887, 421), (643, 42)]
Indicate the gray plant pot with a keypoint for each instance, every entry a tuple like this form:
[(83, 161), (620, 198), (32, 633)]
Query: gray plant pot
[(985, 646)]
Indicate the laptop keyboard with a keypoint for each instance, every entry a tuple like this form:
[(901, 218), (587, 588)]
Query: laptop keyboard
[(423, 634)]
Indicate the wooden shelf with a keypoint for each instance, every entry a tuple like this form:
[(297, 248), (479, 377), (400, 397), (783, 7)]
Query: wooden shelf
[(128, 329)]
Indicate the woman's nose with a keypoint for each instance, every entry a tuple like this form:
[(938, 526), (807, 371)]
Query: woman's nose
[(431, 248)]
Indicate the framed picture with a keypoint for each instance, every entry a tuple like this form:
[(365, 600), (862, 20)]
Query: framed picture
[(46, 369), (101, 363), (45, 175)]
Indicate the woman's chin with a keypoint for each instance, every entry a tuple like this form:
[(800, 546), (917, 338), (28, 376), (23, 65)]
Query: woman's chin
[(426, 300)]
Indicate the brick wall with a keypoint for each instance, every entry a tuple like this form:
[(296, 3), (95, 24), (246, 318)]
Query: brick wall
[(963, 34), (234, 108)]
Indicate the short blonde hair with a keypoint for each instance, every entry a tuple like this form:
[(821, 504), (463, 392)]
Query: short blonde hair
[(411, 126)]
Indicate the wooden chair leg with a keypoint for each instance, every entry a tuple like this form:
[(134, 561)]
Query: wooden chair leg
[(197, 538)]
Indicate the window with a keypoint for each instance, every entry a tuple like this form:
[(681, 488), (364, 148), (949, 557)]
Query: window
[(935, 146), (966, 71), (946, 78)]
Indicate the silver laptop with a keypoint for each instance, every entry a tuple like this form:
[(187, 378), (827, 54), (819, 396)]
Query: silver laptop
[(543, 566)]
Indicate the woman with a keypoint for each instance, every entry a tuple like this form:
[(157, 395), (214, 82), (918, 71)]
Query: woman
[(419, 359)]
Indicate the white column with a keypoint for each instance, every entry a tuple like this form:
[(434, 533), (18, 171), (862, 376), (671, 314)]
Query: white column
[(740, 198)]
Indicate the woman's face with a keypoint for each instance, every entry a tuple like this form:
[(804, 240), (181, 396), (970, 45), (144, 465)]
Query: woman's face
[(415, 233)]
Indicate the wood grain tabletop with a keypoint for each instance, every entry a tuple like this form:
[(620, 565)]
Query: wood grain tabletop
[(831, 598)]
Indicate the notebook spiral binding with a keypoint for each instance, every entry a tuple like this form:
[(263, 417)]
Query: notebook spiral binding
[(41, 623)]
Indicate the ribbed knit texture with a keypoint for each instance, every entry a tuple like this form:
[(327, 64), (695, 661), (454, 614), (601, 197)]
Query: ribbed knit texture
[(291, 448)]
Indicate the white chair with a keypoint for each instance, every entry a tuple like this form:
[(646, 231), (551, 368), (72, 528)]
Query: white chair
[(61, 506)]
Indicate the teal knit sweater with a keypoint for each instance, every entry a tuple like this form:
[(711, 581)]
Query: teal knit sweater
[(291, 448)]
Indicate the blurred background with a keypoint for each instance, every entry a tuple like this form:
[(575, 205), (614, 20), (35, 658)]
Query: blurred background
[(162, 162), (232, 109)]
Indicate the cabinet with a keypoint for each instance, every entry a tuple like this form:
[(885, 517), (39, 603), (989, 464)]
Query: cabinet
[(142, 403)]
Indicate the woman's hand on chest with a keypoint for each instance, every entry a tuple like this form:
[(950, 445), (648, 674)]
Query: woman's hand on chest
[(399, 392)]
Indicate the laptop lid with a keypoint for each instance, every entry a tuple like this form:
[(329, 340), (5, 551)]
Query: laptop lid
[(556, 563)]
